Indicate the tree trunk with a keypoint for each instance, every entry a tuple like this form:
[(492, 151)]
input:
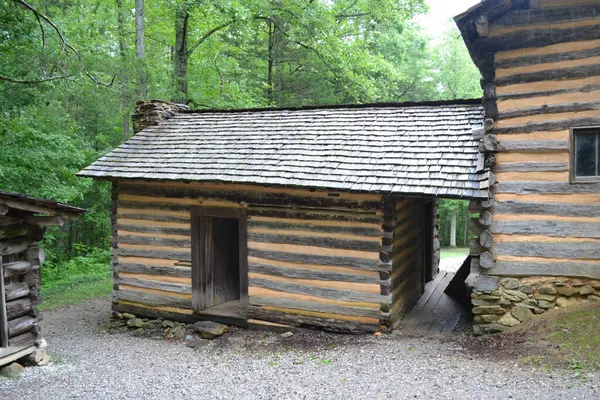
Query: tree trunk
[(121, 29), (140, 51), (125, 125), (453, 229), (466, 232), (125, 96), (270, 62), (180, 67)]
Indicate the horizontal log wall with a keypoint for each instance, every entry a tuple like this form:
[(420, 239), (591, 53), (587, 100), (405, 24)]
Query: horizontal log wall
[(546, 81), (20, 266), (408, 269), (151, 248), (314, 258)]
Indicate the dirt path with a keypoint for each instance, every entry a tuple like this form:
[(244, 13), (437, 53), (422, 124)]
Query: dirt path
[(93, 364)]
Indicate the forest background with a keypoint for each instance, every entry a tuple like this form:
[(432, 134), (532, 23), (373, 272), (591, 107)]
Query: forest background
[(72, 70)]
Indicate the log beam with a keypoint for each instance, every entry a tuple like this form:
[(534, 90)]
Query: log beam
[(485, 218), (16, 268), (20, 205), (12, 247), (20, 325), (46, 220), (26, 339), (486, 239), (489, 203), (3, 314), (491, 178), (12, 231), (482, 25), (18, 308), (486, 260), (16, 290), (36, 330), (490, 142)]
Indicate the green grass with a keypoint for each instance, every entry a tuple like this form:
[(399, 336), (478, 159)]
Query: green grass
[(566, 338), (75, 290), (454, 252), (576, 333), (81, 278)]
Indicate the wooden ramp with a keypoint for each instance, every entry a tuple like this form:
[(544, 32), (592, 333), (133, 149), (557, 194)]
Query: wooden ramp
[(436, 312)]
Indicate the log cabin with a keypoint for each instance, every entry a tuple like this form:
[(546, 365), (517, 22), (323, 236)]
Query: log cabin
[(21, 221), (538, 233), (300, 217)]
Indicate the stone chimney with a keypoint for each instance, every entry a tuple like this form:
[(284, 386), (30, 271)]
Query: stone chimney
[(153, 112)]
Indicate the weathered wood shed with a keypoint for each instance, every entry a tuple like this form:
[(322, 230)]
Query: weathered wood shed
[(21, 221), (319, 216), (541, 226)]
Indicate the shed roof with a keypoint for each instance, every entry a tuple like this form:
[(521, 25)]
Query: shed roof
[(36, 205), (411, 148)]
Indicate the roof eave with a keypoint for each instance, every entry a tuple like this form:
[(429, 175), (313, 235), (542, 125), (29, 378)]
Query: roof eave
[(493, 9), (111, 178), (23, 202)]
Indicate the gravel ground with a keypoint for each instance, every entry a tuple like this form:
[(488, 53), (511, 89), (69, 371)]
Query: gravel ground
[(451, 264), (92, 364)]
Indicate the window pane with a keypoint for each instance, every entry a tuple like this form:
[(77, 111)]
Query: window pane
[(585, 155)]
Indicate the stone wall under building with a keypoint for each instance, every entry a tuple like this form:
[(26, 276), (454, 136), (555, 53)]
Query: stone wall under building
[(500, 303)]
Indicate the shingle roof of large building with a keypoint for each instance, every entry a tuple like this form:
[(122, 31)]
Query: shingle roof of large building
[(416, 148)]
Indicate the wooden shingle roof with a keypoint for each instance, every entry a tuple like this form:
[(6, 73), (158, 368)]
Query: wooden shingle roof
[(23, 202), (416, 148)]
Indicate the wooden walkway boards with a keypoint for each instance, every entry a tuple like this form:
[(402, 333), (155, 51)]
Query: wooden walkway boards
[(436, 312)]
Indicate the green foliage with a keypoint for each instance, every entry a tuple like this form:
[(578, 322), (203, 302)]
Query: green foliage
[(50, 131), (79, 278), (74, 291), (463, 223), (565, 338), (319, 52), (456, 75), (575, 331), (42, 150), (95, 262)]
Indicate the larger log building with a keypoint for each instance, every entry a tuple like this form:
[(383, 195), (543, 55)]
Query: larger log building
[(540, 228)]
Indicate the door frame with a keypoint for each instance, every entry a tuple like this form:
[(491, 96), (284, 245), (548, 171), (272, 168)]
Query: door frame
[(4, 339), (428, 210), (198, 283)]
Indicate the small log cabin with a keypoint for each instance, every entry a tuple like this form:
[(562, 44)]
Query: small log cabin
[(21, 221), (539, 230), (321, 216)]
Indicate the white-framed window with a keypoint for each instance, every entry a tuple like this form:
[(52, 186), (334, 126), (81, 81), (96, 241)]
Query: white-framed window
[(585, 154)]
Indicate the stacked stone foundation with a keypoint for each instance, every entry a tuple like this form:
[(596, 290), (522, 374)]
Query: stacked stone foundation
[(502, 303)]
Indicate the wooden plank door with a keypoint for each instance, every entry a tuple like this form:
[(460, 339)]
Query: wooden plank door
[(221, 263), (219, 257)]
